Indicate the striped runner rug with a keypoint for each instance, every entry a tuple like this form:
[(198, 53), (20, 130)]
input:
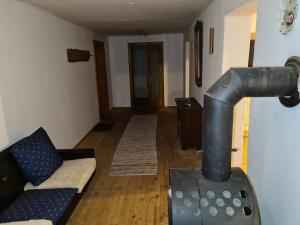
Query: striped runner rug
[(136, 152)]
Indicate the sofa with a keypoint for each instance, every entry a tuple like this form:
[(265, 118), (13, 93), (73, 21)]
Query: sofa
[(51, 200)]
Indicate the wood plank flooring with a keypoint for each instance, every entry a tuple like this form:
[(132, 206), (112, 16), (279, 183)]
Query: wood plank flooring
[(131, 200)]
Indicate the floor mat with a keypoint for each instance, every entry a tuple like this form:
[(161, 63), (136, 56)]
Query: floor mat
[(103, 127), (136, 152)]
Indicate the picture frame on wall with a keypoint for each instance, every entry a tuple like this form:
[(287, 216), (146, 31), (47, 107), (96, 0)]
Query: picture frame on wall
[(211, 40), (198, 51)]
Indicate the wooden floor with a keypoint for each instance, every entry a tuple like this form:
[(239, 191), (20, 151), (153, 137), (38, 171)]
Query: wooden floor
[(131, 200)]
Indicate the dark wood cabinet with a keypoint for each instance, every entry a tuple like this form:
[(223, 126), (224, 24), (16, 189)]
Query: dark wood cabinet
[(189, 122)]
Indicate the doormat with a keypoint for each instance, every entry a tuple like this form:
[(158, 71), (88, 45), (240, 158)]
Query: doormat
[(103, 127)]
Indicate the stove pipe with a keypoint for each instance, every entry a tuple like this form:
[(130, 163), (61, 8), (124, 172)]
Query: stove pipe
[(219, 103)]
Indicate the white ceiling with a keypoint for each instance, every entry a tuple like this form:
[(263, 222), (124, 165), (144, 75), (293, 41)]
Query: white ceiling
[(118, 17)]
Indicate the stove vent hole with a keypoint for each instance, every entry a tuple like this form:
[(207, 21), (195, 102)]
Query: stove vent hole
[(247, 211), (244, 194)]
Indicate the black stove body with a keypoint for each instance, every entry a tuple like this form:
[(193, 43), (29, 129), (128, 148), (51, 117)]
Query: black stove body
[(218, 194), (195, 200)]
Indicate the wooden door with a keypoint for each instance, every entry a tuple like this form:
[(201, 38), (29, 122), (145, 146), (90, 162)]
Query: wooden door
[(150, 57), (101, 78), (155, 76)]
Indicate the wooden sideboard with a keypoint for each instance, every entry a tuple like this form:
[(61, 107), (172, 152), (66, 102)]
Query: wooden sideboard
[(189, 122)]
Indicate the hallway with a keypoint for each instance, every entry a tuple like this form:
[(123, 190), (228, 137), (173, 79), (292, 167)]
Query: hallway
[(133, 199)]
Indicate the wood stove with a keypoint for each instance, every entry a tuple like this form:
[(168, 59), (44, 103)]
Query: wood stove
[(218, 194)]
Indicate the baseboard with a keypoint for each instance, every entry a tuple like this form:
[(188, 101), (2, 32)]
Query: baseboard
[(76, 146)]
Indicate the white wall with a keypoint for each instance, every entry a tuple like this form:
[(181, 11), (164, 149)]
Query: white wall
[(236, 41), (119, 66), (274, 146), (38, 87), (212, 17)]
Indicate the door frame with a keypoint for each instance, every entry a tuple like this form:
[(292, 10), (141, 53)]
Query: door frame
[(161, 72), (100, 44)]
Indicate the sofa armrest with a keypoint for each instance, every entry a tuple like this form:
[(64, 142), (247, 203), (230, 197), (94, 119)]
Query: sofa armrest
[(70, 154)]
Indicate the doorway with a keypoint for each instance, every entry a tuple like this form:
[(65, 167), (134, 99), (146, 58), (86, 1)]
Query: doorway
[(101, 78), (146, 76), (239, 42)]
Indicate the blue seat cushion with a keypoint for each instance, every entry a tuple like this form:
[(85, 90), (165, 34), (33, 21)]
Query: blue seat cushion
[(48, 204), (37, 157)]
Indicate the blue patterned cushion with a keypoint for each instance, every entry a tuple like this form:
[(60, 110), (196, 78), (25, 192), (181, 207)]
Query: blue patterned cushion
[(37, 157), (49, 204)]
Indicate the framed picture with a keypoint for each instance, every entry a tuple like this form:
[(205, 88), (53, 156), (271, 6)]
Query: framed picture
[(198, 48), (211, 40)]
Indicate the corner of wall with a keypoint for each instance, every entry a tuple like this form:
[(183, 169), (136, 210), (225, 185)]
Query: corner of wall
[(3, 128)]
